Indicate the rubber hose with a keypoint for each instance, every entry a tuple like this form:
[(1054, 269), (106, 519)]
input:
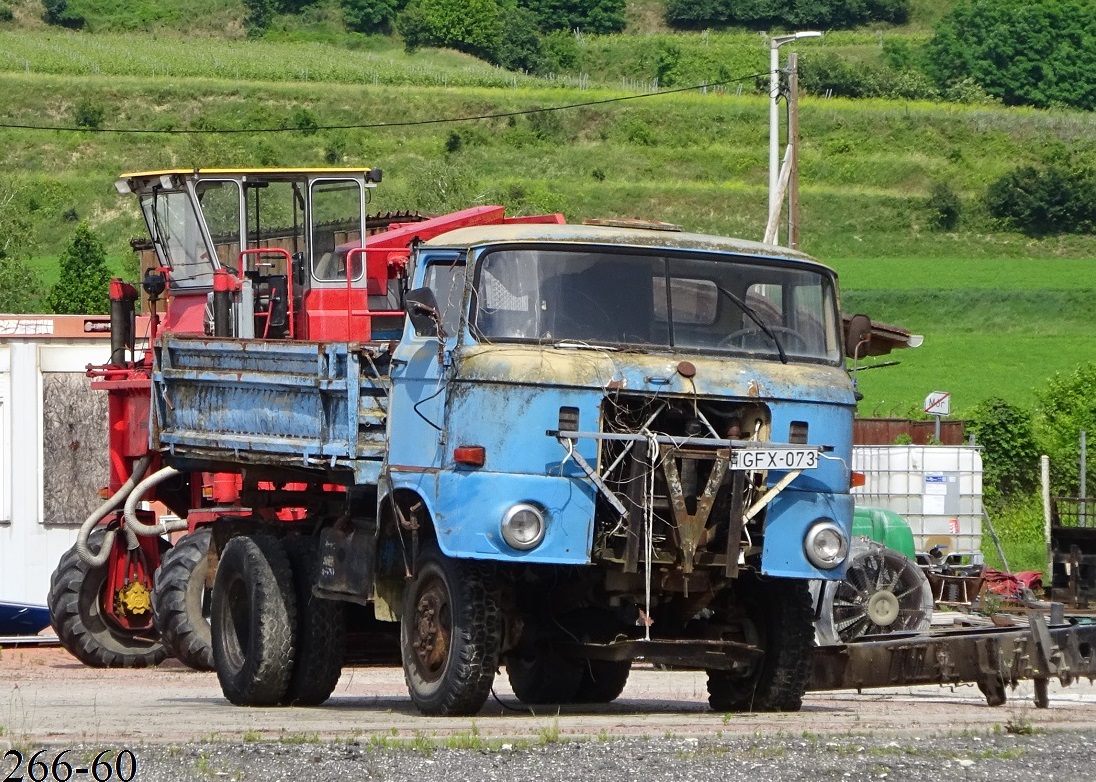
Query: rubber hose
[(140, 467), (134, 523)]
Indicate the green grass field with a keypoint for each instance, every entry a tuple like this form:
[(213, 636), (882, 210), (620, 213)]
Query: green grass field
[(1000, 312)]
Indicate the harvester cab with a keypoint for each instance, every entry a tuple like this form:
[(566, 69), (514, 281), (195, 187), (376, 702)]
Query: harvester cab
[(268, 253)]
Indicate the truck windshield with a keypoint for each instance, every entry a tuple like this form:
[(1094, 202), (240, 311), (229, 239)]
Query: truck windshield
[(708, 303)]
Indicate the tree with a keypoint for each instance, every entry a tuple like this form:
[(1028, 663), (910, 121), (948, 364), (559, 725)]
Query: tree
[(591, 16), (58, 13), (470, 26), (259, 14), (19, 286), (84, 287), (1025, 52)]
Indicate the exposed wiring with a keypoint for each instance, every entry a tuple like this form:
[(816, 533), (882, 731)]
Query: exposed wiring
[(404, 124)]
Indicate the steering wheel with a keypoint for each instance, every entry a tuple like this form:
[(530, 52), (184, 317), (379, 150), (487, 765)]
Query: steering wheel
[(790, 339)]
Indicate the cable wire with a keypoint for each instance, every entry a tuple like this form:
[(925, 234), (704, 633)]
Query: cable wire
[(365, 125)]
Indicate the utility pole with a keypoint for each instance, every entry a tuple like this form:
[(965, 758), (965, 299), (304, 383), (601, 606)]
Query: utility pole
[(774, 126), (793, 148)]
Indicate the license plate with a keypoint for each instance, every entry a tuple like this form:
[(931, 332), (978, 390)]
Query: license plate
[(774, 459)]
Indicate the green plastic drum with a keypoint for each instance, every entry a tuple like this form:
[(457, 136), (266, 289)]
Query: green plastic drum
[(886, 527)]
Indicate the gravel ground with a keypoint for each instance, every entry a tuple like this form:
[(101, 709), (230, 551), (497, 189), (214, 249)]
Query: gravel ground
[(778, 757)]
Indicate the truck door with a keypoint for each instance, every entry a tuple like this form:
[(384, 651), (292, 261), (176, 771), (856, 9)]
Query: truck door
[(416, 420)]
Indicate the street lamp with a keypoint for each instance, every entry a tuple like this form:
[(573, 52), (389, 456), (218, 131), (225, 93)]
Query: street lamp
[(774, 95)]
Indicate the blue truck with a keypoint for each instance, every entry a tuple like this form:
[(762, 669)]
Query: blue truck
[(584, 445)]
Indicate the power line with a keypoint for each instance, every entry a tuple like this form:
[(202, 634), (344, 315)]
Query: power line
[(364, 125)]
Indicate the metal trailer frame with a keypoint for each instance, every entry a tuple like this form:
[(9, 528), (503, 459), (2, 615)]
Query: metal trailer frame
[(990, 657)]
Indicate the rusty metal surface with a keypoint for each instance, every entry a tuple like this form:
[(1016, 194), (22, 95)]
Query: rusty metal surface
[(984, 656), (606, 235)]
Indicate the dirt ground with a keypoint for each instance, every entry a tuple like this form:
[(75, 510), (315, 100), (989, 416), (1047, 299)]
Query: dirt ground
[(49, 698)]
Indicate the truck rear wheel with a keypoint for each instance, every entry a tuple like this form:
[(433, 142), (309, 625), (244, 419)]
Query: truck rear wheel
[(321, 630), (602, 681), (76, 612), (449, 634), (253, 619), (776, 615), (181, 601), (542, 675)]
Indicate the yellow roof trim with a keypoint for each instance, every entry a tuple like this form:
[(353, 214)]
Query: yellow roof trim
[(240, 171)]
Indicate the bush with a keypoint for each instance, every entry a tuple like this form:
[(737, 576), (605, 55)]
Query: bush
[(1010, 462), (1065, 405), (944, 206), (259, 14), (821, 72), (6, 14), (1025, 52), (89, 114), (84, 286), (1057, 199), (370, 16)]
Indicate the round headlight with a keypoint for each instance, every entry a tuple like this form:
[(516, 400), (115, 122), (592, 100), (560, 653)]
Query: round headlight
[(523, 527), (826, 545)]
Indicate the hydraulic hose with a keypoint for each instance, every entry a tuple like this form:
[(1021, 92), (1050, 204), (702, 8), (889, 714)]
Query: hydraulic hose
[(98, 559), (134, 523)]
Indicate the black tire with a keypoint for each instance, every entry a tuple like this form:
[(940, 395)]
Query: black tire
[(75, 611), (540, 675), (602, 681), (778, 615), (252, 622), (181, 602), (449, 634), (321, 630)]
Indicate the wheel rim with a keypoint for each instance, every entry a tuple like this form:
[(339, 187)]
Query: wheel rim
[(431, 630), (236, 623)]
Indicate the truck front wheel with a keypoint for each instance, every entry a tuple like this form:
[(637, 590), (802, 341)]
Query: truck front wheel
[(449, 634), (774, 614), (253, 621)]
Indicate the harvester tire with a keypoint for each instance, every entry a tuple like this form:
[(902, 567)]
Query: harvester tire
[(77, 616), (321, 630), (181, 601), (779, 616), (450, 634), (253, 620)]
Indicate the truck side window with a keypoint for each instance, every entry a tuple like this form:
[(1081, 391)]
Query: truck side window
[(447, 282)]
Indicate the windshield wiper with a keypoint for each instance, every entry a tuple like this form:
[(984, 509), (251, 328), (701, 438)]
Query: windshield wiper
[(574, 343), (748, 311)]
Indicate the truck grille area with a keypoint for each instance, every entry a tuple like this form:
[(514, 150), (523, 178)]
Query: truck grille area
[(684, 506)]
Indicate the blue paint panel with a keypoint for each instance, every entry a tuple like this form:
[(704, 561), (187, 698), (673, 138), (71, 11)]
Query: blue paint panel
[(828, 425), (467, 507), (510, 420), (789, 516)]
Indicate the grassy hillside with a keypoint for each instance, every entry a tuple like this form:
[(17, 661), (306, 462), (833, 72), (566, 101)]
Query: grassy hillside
[(1000, 312)]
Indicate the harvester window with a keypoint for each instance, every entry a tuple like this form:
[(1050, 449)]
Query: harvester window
[(180, 242), (337, 206)]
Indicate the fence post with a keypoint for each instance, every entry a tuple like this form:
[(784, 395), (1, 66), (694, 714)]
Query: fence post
[(1044, 464)]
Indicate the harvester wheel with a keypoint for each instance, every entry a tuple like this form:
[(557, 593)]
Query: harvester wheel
[(321, 630), (181, 601), (449, 634), (777, 616), (252, 621), (76, 613)]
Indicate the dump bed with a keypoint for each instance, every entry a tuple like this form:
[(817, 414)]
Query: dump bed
[(321, 406)]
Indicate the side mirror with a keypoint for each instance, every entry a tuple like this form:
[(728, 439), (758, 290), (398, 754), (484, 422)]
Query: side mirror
[(422, 309), (857, 336)]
